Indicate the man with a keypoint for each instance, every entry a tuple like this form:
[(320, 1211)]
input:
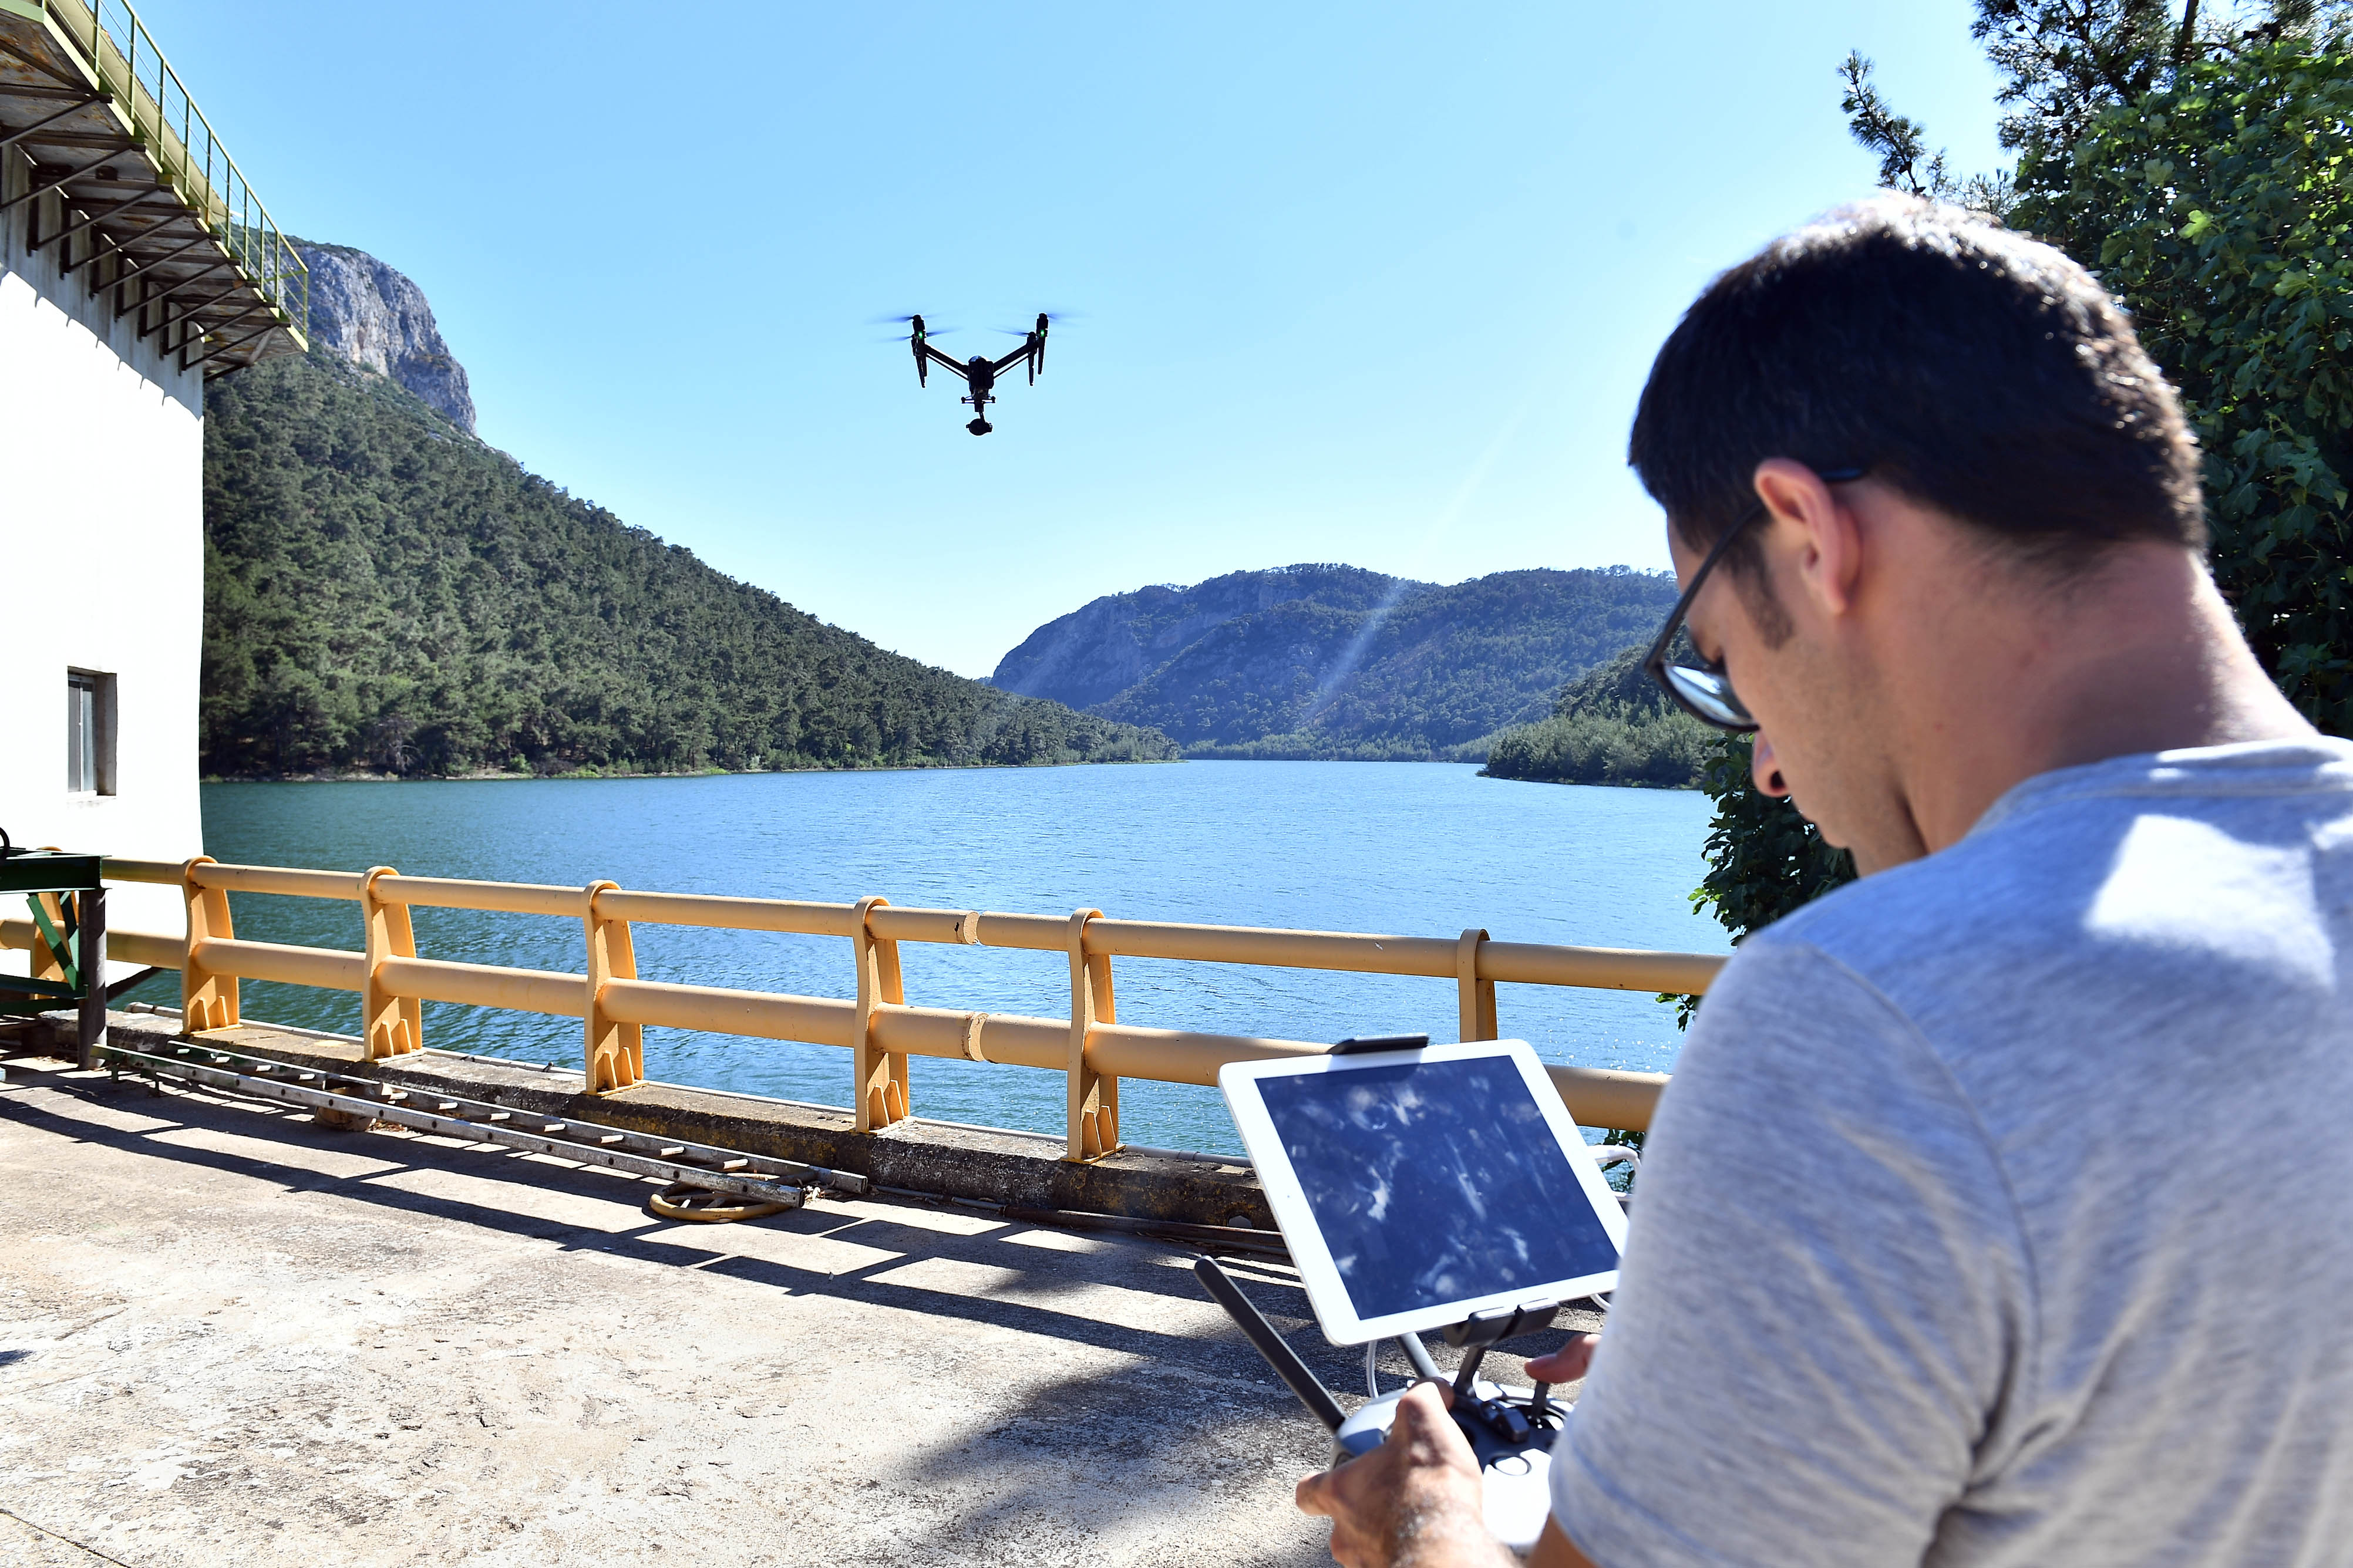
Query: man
[(2000, 1211)]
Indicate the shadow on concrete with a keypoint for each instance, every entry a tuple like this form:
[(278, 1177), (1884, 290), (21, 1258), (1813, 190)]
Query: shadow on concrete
[(1185, 1450), (679, 1244)]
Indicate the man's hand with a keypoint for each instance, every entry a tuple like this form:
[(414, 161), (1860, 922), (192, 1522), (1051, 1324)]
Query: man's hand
[(1567, 1364), (1416, 1502)]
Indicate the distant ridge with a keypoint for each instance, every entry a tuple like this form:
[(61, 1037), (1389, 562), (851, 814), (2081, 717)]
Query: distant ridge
[(1337, 661)]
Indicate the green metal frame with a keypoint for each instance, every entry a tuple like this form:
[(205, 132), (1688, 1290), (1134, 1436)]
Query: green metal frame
[(116, 48)]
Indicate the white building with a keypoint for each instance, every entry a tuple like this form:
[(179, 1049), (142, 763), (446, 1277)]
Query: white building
[(134, 264)]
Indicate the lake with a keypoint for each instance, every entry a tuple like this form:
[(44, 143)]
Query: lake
[(1422, 849)]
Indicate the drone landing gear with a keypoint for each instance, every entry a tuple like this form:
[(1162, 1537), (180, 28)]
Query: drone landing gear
[(979, 426)]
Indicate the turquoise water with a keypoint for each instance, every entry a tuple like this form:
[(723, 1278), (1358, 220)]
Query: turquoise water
[(1422, 849)]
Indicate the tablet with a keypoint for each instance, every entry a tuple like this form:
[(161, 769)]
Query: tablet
[(1418, 1187)]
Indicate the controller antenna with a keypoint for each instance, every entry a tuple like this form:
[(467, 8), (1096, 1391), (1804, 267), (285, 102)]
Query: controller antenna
[(1279, 1354)]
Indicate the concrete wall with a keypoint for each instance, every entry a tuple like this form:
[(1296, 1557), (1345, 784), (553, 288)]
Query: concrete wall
[(102, 566)]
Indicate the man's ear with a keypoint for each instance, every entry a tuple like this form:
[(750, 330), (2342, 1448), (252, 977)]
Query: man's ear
[(1821, 540), (1765, 768)]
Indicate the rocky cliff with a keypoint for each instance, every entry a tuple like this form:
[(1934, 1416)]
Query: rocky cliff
[(1334, 660), (372, 315)]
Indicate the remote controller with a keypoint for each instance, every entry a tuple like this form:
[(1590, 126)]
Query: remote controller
[(1512, 1434), (1512, 1439)]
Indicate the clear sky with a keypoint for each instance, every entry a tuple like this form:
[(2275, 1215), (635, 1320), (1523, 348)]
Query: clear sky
[(1352, 282)]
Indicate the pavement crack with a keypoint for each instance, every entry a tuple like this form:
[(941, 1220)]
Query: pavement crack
[(69, 1540), (90, 1323)]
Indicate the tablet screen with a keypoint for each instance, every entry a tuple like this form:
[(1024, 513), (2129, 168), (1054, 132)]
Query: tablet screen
[(1435, 1182)]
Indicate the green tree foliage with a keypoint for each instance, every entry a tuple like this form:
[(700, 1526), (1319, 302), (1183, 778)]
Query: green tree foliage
[(1764, 859), (383, 593), (2064, 62), (1904, 161), (2218, 207), (1611, 725)]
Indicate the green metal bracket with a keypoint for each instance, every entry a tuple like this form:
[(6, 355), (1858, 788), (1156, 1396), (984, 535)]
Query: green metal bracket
[(65, 943)]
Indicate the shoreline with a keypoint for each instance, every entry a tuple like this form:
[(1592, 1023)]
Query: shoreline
[(486, 775)]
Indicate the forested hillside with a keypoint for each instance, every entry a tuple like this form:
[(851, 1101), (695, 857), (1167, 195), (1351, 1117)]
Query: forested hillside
[(1612, 725), (1335, 662), (383, 593)]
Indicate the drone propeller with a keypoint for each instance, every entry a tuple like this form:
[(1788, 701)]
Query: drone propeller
[(1043, 318), (915, 322)]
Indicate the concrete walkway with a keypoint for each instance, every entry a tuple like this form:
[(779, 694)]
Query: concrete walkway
[(227, 1335)]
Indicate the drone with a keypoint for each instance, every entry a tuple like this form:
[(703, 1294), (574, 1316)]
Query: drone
[(979, 371)]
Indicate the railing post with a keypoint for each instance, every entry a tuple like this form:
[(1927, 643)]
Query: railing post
[(616, 1052), (1093, 1096), (392, 1025), (879, 1084), (207, 1000), (1477, 996)]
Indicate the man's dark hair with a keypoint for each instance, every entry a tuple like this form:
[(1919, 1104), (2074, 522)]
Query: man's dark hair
[(1980, 372)]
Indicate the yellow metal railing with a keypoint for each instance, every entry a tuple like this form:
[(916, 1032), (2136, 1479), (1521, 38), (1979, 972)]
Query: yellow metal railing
[(876, 1023)]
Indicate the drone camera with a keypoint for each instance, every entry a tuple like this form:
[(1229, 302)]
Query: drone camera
[(980, 427)]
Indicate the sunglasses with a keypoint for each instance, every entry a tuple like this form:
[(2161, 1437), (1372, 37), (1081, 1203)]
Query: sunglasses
[(1704, 690)]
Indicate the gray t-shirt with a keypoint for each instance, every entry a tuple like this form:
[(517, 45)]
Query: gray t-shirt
[(2000, 1211)]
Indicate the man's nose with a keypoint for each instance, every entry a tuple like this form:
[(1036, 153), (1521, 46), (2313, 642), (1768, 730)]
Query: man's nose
[(1763, 768)]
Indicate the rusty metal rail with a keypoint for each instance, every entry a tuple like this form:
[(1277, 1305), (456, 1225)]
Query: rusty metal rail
[(761, 1177), (875, 1024)]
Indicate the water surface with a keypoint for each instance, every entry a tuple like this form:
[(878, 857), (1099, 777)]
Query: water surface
[(1422, 849)]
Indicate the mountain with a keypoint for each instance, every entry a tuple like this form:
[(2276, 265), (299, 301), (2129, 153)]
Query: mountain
[(382, 592), (372, 316), (1612, 725), (1335, 662)]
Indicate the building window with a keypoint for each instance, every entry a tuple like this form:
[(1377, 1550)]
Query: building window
[(90, 732)]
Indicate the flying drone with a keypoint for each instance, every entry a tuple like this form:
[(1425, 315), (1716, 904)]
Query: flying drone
[(979, 371)]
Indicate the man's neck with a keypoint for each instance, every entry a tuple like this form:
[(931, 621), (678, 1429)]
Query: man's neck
[(2141, 655)]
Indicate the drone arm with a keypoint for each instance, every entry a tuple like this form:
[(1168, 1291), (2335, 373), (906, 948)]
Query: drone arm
[(1017, 357), (942, 360)]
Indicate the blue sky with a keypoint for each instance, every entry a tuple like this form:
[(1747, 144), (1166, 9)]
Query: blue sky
[(1364, 283)]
